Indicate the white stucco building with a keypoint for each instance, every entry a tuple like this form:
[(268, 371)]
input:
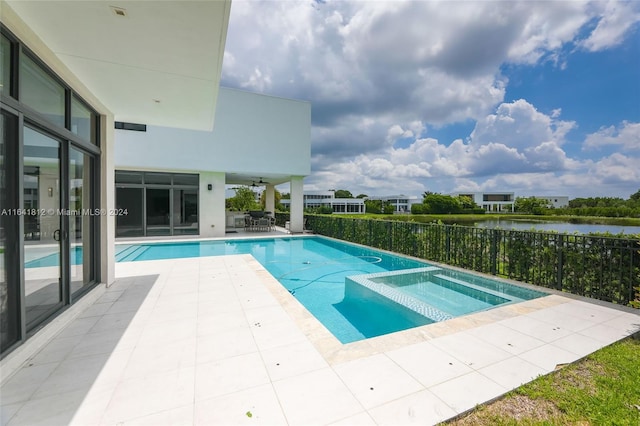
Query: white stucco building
[(401, 203), (491, 201), (556, 201), (314, 199)]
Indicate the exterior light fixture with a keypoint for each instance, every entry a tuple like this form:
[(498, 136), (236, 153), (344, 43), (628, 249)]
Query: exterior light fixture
[(209, 187), (118, 11)]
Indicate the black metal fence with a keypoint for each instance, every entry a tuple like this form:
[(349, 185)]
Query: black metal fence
[(604, 268)]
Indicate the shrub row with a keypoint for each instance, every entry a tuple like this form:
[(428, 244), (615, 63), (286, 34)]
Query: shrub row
[(605, 268)]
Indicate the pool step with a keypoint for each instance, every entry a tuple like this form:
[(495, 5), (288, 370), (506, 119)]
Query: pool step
[(130, 253), (418, 306), (478, 288)]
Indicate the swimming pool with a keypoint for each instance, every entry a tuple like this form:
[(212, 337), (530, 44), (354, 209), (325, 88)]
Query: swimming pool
[(355, 292)]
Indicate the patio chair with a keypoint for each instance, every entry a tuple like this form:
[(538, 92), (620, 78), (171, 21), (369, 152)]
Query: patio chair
[(263, 224)]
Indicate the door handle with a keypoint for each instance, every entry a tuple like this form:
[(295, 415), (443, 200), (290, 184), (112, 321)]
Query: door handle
[(56, 235)]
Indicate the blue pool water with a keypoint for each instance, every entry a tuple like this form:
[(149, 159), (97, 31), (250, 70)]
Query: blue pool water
[(54, 259), (354, 291)]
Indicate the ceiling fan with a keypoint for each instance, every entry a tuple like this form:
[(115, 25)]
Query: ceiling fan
[(260, 182)]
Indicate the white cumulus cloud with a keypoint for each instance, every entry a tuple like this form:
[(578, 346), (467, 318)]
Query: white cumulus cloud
[(626, 137)]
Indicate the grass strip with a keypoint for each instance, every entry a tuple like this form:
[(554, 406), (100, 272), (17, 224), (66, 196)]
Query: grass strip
[(601, 389)]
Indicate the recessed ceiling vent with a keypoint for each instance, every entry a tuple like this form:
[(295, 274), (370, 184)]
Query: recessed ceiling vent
[(118, 11)]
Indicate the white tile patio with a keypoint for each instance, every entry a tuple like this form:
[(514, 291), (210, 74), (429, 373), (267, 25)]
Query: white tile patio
[(217, 340)]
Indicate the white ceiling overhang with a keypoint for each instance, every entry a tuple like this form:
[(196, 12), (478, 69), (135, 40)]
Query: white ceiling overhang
[(150, 62)]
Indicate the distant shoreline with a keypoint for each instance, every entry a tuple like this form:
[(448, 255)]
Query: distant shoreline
[(469, 219)]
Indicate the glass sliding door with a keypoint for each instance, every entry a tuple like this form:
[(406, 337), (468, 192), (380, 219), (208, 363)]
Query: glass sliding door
[(81, 220), (185, 212), (155, 203), (42, 226), (49, 156), (131, 200), (158, 211), (9, 283)]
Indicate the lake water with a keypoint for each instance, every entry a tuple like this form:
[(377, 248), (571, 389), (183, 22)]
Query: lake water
[(563, 227)]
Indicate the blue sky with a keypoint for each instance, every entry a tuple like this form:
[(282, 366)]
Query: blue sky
[(535, 97)]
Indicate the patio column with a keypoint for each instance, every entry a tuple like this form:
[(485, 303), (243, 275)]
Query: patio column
[(107, 201), (269, 199), (211, 208), (296, 219)]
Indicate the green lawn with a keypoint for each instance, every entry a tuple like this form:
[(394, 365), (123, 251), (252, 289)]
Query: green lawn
[(602, 389)]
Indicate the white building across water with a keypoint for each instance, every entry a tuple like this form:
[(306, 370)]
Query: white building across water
[(491, 201), (316, 199), (401, 203)]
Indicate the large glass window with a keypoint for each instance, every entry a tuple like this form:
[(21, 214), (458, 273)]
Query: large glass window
[(156, 203), (179, 179), (161, 178), (5, 65), (128, 177), (41, 91), (83, 121)]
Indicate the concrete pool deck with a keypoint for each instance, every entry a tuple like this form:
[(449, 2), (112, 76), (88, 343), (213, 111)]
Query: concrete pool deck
[(217, 340)]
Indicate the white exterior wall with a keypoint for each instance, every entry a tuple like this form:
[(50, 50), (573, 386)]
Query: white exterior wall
[(492, 206), (210, 222), (253, 133), (401, 203), (555, 201), (314, 199)]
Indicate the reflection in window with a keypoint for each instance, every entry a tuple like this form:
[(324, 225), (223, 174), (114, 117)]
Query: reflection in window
[(156, 203), (83, 121), (40, 91), (185, 211), (128, 177), (42, 268), (158, 212), (9, 288), (80, 222), (161, 178), (179, 179), (5, 65), (129, 224)]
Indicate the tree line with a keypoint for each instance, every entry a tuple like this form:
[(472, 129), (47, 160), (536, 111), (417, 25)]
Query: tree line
[(435, 203), (590, 206)]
